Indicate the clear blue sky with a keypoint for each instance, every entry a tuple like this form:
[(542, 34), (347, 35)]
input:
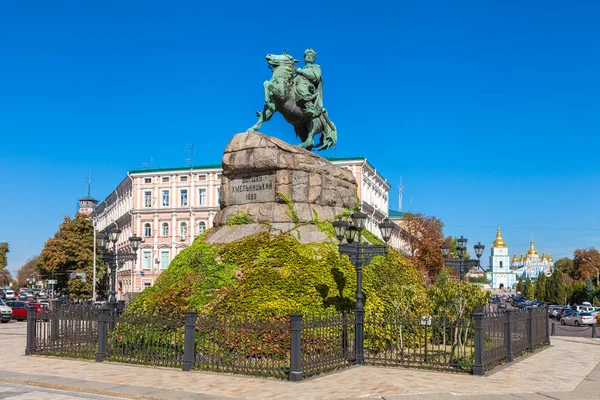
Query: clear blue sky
[(487, 111)]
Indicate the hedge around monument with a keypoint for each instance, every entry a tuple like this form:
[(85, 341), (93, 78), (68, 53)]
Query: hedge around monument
[(276, 275)]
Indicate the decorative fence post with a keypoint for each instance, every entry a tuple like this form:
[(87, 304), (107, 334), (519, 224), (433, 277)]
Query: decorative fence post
[(30, 342), (530, 330), (120, 307), (553, 333), (189, 340), (508, 335), (593, 331), (547, 326), (103, 317), (479, 367), (296, 348)]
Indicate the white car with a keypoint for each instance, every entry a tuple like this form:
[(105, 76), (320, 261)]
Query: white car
[(10, 295), (578, 318), (5, 312)]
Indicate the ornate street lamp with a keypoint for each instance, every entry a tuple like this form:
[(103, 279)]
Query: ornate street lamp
[(112, 256), (461, 249), (360, 255)]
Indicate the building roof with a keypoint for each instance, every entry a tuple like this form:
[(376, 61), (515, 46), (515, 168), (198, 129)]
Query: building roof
[(90, 198), (395, 214), (195, 167), (359, 158), (218, 166)]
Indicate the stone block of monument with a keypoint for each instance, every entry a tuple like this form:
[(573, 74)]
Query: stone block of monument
[(262, 173)]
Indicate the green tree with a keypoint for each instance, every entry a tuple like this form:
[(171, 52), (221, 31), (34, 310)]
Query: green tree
[(588, 291), (457, 300), (565, 266), (71, 250), (540, 287), (528, 290), (521, 287), (559, 288), (575, 292)]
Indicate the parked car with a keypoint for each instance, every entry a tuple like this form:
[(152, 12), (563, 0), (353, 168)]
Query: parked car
[(19, 310), (564, 312), (10, 294), (578, 318), (5, 312)]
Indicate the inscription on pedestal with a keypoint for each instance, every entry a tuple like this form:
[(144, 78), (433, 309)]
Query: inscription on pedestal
[(251, 189)]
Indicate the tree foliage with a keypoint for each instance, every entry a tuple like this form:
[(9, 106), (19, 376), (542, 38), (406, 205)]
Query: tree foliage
[(3, 258), (585, 262), (5, 277), (71, 250), (540, 287), (29, 269), (424, 236)]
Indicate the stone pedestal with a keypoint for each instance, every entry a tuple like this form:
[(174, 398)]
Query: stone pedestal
[(260, 172)]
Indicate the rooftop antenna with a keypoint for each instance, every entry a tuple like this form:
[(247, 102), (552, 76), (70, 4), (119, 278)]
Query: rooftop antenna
[(400, 195), (89, 181), (190, 149)]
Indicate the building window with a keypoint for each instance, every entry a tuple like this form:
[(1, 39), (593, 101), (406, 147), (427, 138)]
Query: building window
[(183, 178), (183, 231), (500, 264), (183, 197), (148, 198), (146, 259), (201, 177), (164, 259), (165, 229), (202, 196), (147, 285), (165, 198), (218, 195), (165, 179), (201, 227), (147, 180), (147, 229)]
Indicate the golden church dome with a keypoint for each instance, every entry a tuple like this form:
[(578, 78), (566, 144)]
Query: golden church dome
[(499, 242), (544, 257), (531, 250), (522, 258), (550, 257), (515, 259), (527, 257)]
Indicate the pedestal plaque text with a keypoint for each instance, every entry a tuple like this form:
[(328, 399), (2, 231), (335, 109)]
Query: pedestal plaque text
[(251, 189)]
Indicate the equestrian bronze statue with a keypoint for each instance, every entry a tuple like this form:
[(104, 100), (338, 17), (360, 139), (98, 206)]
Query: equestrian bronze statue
[(297, 93)]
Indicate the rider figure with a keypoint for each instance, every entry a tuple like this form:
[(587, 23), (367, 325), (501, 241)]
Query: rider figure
[(308, 84)]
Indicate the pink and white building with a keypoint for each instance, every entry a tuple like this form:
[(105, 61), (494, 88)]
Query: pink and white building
[(168, 208)]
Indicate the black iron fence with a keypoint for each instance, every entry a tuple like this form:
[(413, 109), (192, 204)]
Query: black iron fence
[(68, 331), (502, 336), (422, 342), (291, 347)]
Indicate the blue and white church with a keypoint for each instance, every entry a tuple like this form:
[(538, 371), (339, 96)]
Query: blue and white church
[(505, 273)]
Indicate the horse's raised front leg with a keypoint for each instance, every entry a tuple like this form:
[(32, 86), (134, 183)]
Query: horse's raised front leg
[(268, 109)]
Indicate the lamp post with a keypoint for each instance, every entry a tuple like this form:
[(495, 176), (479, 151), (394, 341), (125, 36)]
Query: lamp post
[(461, 249), (112, 256), (593, 264), (360, 255)]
